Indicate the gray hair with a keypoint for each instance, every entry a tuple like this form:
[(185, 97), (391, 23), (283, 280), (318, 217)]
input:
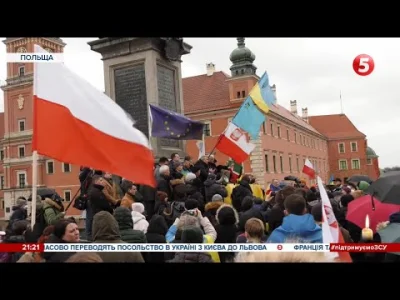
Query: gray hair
[(164, 169), (190, 177)]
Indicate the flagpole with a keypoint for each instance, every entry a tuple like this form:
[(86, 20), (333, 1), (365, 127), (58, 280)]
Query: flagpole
[(34, 155)]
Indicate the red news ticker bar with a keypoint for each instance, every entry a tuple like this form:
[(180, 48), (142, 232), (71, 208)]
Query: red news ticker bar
[(14, 247), (365, 247)]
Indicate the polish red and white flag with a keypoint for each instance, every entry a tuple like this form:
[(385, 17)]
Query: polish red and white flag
[(308, 169), (233, 143), (76, 123)]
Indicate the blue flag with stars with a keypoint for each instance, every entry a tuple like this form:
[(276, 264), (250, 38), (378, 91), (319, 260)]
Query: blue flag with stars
[(171, 125), (249, 118)]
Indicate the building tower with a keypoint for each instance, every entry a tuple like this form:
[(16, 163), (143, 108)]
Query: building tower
[(242, 60), (16, 131), (243, 78)]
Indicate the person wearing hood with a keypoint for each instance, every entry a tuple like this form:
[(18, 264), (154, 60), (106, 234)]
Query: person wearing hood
[(138, 217), (19, 213), (53, 210), (15, 236), (241, 191), (125, 224), (363, 186), (212, 188), (106, 231), (298, 224), (156, 235), (227, 220)]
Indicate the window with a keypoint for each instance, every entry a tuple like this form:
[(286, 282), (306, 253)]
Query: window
[(21, 179), (288, 135), (304, 140), (21, 151), (274, 162), (263, 128), (342, 164), (266, 163), (295, 137), (354, 147), (243, 94), (1, 154), (67, 196), (2, 203), (50, 167), (341, 147), (272, 129), (21, 125), (281, 162), (279, 131), (238, 93), (290, 164), (369, 161), (355, 164), (297, 164), (1, 182), (21, 71), (207, 129), (66, 168)]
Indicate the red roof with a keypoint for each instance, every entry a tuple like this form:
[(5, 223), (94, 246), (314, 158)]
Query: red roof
[(207, 93), (335, 126)]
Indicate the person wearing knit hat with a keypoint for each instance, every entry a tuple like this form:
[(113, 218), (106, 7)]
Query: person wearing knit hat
[(139, 220), (363, 186), (216, 198)]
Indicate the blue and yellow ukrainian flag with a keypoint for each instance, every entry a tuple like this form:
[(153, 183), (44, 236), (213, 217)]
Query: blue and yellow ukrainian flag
[(262, 94), (249, 118), (251, 114)]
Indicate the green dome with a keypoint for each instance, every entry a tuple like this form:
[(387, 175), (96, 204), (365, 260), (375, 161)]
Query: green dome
[(242, 53), (371, 153)]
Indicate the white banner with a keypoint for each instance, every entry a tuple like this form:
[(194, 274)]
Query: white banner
[(35, 57)]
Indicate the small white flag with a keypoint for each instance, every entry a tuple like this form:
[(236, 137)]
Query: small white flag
[(202, 148)]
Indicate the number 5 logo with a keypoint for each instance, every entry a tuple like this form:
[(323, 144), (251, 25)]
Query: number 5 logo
[(363, 65)]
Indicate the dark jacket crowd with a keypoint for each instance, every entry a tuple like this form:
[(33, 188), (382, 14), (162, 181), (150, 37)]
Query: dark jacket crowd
[(191, 203)]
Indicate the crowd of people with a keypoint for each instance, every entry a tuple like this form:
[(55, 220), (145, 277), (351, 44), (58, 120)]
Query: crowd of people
[(200, 202)]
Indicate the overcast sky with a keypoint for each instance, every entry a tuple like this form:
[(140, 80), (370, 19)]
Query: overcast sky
[(312, 71)]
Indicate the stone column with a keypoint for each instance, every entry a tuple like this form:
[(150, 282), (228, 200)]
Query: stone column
[(257, 161), (142, 71)]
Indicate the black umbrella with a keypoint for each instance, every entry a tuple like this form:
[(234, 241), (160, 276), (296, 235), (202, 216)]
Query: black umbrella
[(386, 188), (44, 193), (358, 178), (390, 234)]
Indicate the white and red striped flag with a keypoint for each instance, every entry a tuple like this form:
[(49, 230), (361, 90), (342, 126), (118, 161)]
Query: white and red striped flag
[(78, 124), (308, 169), (233, 143), (330, 226)]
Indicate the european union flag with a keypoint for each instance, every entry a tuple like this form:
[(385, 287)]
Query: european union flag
[(171, 125), (249, 118)]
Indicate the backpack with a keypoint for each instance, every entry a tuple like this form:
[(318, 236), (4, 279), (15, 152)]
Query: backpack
[(40, 223)]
